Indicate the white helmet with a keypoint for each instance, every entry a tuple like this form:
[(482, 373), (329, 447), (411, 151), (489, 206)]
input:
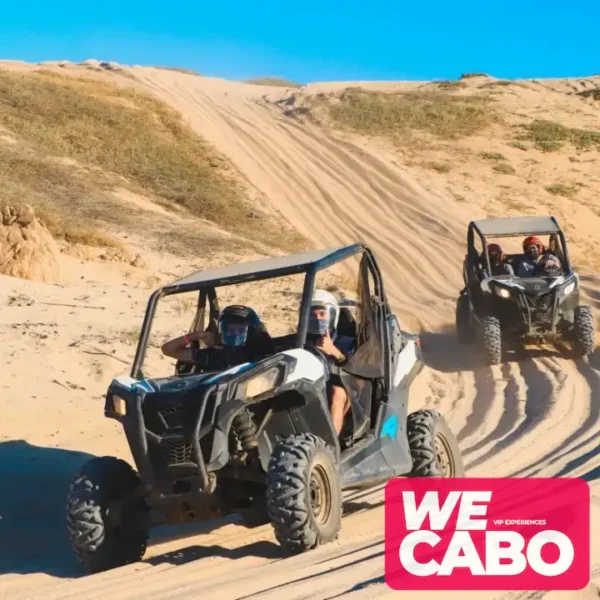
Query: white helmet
[(323, 299)]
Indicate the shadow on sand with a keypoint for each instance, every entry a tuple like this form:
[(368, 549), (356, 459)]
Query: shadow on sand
[(34, 482), (442, 352)]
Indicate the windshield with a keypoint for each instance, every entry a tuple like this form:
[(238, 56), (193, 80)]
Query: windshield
[(523, 256), (270, 307)]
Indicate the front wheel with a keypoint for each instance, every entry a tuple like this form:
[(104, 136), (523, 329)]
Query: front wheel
[(107, 530), (433, 447), (492, 340), (304, 498), (584, 331)]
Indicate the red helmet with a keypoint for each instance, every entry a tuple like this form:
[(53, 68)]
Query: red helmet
[(532, 240), (496, 249)]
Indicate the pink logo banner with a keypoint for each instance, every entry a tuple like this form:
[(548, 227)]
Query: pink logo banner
[(487, 534)]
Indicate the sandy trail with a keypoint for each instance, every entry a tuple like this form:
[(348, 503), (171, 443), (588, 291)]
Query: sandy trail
[(536, 415)]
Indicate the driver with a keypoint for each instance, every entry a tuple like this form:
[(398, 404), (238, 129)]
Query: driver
[(533, 248), (242, 338), (322, 334), (536, 258)]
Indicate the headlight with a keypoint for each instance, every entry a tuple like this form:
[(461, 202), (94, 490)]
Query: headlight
[(569, 288), (119, 406), (260, 384), (503, 293)]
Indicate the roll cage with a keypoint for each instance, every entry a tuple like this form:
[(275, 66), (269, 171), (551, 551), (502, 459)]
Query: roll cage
[(511, 227), (373, 304)]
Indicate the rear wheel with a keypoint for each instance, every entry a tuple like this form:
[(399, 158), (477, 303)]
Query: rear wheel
[(464, 331), (107, 530), (304, 497), (492, 340), (433, 447), (584, 331)]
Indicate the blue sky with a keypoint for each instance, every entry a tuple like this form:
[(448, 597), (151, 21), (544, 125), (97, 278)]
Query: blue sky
[(314, 41)]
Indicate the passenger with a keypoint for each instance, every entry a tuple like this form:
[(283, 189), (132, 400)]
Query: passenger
[(323, 335)]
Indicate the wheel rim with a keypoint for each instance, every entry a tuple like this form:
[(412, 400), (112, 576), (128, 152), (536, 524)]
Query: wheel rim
[(320, 494), (444, 456)]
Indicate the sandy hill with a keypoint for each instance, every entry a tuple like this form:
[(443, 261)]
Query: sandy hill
[(138, 175)]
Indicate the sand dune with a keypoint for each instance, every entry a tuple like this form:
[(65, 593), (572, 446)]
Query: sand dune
[(536, 415)]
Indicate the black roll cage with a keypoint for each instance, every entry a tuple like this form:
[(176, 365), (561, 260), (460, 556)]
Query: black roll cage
[(207, 291), (473, 256)]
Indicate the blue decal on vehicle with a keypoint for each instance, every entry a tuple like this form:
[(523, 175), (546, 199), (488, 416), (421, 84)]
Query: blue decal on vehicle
[(390, 427), (144, 385)]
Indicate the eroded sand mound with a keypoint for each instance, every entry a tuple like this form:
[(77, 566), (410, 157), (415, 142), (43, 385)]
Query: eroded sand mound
[(27, 249)]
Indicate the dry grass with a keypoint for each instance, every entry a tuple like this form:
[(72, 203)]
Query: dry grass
[(492, 156), (499, 83), (440, 114), (276, 81), (594, 93), (549, 136), (562, 189), (59, 194), (471, 75), (129, 138), (504, 168), (439, 167), (449, 84), (519, 146)]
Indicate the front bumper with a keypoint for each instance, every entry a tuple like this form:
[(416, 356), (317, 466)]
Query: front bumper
[(178, 429)]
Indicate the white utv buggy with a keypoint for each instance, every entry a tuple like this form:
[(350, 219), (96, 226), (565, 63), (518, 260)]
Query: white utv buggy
[(507, 308), (257, 439)]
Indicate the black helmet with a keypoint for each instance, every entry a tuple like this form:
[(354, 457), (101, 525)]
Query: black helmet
[(237, 324)]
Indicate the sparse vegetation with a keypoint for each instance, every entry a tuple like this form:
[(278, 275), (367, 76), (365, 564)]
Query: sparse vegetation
[(499, 83), (57, 193), (561, 189), (439, 167), (438, 113), (471, 75), (594, 93), (504, 168), (449, 84), (117, 135), (550, 136), (492, 156), (519, 146), (276, 81)]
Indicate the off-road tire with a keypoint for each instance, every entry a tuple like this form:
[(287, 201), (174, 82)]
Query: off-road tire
[(98, 544), (492, 340), (584, 331), (294, 462), (429, 439), (464, 331)]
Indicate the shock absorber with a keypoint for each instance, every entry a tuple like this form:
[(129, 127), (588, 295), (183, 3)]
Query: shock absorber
[(244, 430)]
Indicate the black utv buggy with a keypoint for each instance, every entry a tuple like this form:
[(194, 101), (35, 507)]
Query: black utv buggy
[(257, 439), (507, 309)]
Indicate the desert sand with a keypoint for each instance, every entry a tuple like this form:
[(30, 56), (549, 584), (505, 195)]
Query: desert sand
[(63, 342)]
